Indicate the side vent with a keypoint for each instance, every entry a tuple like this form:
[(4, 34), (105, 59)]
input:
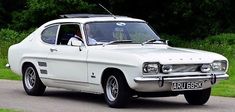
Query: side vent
[(42, 64), (43, 71)]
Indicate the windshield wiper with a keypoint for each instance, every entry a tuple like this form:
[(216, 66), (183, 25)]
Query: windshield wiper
[(117, 41), (153, 40)]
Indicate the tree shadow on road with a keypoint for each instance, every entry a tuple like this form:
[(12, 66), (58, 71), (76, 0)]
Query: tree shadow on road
[(161, 103), (140, 103), (78, 96)]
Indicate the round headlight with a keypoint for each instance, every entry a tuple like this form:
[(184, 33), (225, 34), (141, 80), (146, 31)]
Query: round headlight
[(205, 68), (167, 68)]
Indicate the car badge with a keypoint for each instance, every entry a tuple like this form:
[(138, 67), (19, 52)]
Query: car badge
[(121, 24)]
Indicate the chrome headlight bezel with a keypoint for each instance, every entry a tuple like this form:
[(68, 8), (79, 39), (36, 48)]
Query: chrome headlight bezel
[(167, 69), (206, 68), (219, 66), (150, 68)]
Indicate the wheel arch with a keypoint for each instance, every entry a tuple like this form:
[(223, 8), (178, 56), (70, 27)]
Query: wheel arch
[(107, 72), (24, 65), (27, 60)]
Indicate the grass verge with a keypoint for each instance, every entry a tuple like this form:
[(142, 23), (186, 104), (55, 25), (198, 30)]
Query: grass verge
[(8, 110), (6, 73)]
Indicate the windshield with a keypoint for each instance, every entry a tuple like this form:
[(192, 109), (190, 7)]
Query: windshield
[(106, 32)]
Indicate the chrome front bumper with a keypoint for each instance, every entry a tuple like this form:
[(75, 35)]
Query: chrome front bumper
[(161, 80), (170, 79)]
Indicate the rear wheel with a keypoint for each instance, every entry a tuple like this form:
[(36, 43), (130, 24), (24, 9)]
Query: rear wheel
[(31, 81), (117, 92), (199, 97)]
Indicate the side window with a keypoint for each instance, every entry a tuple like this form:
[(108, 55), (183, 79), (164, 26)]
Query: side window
[(68, 31), (49, 34)]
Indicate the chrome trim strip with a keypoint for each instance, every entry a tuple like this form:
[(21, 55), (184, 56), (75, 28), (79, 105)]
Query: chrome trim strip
[(68, 81), (170, 79)]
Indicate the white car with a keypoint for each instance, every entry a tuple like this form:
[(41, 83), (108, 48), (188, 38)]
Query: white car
[(119, 57)]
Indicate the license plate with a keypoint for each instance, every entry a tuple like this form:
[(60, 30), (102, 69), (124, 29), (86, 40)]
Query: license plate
[(193, 85)]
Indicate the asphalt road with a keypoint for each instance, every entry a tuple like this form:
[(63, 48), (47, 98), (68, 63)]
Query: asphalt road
[(13, 96)]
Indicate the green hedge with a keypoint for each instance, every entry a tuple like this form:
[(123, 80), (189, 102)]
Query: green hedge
[(9, 37)]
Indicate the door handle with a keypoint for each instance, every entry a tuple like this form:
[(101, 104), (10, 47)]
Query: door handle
[(53, 49)]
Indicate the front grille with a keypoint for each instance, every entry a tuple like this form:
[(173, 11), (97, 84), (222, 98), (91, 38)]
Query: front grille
[(186, 68)]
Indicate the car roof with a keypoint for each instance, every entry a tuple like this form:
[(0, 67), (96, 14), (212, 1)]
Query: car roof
[(92, 19)]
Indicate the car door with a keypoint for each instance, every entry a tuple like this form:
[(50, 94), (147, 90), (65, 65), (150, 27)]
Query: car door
[(68, 63), (48, 41)]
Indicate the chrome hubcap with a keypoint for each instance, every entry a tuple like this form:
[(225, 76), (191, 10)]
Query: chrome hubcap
[(30, 78), (112, 88)]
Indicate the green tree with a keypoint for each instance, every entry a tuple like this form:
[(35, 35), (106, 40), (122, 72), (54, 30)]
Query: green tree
[(2, 13), (186, 18), (6, 9), (198, 18), (38, 12)]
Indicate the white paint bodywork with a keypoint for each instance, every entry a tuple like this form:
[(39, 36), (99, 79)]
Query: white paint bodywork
[(82, 70)]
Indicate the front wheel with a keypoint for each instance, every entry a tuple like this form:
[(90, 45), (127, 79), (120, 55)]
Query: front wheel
[(199, 97), (117, 92), (31, 81)]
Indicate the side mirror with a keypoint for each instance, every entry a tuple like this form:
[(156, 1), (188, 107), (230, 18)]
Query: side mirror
[(167, 42), (77, 43)]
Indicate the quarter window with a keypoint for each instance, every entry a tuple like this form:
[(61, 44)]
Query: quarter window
[(49, 34)]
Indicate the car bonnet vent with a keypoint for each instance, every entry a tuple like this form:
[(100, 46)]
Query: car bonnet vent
[(84, 15)]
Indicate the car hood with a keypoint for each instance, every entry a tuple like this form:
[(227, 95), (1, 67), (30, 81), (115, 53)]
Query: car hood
[(168, 55)]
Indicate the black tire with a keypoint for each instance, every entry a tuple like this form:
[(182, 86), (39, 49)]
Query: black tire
[(199, 97), (32, 84), (123, 94)]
